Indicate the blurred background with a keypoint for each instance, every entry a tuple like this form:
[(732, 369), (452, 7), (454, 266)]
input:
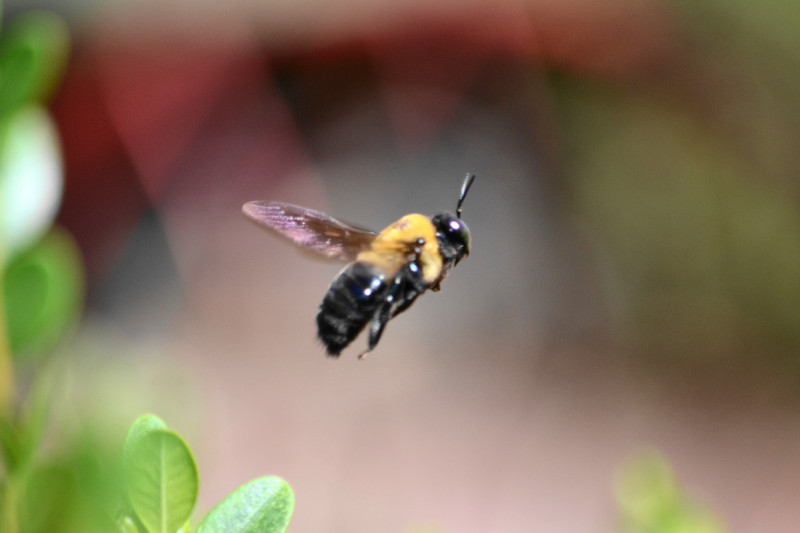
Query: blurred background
[(634, 282)]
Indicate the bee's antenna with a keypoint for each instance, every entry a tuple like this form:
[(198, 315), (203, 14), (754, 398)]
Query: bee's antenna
[(464, 189)]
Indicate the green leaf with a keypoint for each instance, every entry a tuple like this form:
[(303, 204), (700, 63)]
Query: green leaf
[(140, 428), (43, 290), (264, 505), (33, 53), (31, 179), (161, 481)]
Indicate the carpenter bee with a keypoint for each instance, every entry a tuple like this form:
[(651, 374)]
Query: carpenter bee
[(387, 270)]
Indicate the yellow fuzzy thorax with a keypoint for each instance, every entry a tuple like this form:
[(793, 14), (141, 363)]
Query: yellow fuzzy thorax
[(393, 247)]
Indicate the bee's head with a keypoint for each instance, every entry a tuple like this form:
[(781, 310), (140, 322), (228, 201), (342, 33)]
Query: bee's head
[(454, 237), (452, 232)]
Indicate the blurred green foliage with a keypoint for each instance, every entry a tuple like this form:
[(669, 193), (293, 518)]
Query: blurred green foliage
[(651, 501), (686, 180), (33, 53), (43, 292), (75, 485), (700, 256)]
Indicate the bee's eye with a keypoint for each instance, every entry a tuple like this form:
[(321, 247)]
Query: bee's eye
[(455, 236)]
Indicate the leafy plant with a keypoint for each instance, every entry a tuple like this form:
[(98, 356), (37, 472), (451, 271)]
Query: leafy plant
[(161, 484), (41, 276), (41, 294)]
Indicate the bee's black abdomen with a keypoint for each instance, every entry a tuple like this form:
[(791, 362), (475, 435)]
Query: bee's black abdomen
[(351, 301)]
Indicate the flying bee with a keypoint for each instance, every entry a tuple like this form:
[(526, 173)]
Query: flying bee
[(387, 270)]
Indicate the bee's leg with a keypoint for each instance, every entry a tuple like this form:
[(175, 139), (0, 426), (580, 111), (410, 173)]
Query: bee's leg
[(405, 288), (410, 279), (377, 324), (414, 286)]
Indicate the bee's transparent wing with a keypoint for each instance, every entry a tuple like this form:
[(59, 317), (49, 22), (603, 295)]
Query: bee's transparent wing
[(310, 229)]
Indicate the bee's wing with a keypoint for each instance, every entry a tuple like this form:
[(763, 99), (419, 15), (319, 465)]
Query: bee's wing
[(310, 229)]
